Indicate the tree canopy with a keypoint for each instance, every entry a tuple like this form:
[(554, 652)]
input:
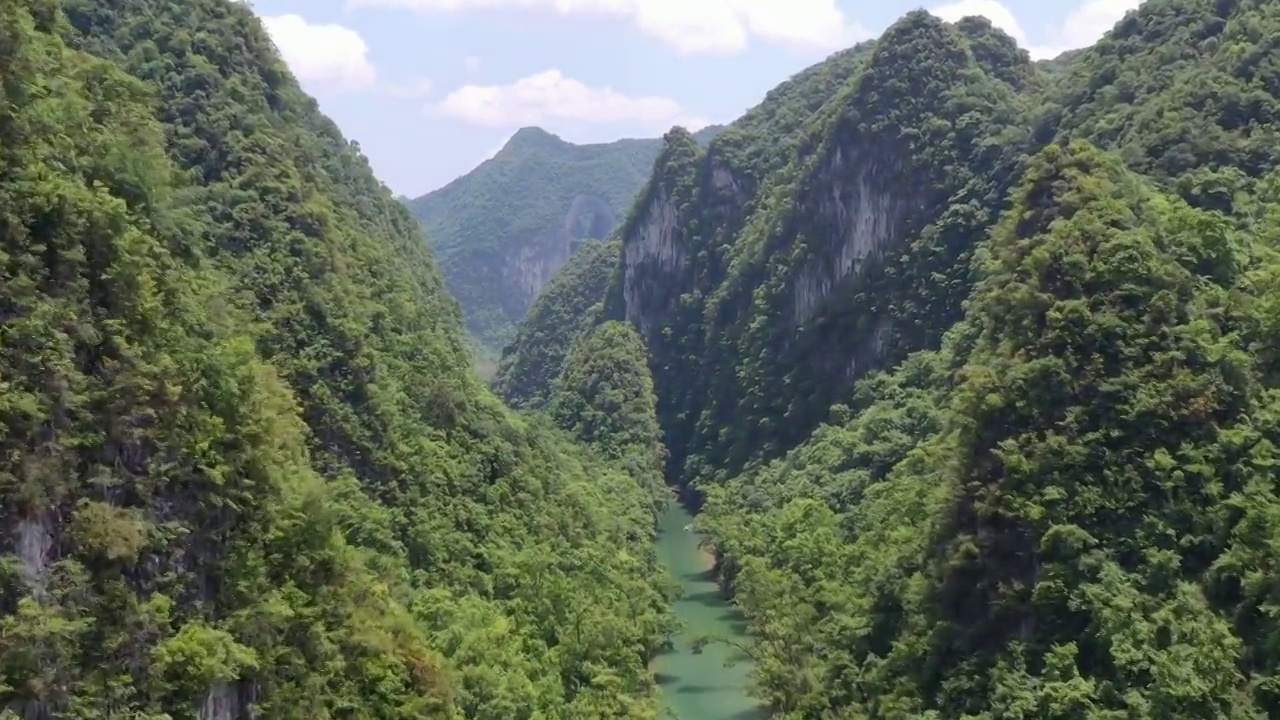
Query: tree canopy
[(972, 359), (245, 466)]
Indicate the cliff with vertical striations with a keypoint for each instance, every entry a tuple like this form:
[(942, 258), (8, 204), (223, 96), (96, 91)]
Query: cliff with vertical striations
[(971, 363)]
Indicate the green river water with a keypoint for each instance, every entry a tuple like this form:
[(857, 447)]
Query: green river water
[(701, 687)]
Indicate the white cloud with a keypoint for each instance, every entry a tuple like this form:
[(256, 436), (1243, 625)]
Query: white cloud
[(331, 56), (693, 123), (690, 26), (1093, 19), (549, 96), (1082, 27), (993, 10)]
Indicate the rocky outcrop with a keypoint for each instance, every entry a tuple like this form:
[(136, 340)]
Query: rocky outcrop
[(774, 269), (34, 544), (652, 259), (534, 261), (865, 207), (228, 701)]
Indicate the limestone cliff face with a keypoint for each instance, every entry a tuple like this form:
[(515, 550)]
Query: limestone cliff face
[(867, 198), (665, 256), (654, 258), (765, 285), (531, 263), (864, 203), (33, 546), (567, 308)]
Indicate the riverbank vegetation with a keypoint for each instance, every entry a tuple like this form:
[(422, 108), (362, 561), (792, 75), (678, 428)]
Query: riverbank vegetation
[(972, 362)]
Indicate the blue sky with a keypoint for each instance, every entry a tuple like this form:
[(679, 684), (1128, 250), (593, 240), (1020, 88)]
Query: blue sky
[(430, 88)]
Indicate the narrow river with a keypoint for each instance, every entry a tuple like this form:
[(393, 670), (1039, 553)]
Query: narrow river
[(701, 687)]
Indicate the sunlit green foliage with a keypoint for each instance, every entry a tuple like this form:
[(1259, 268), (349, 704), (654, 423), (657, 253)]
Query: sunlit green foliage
[(1045, 486), (245, 468), (171, 539), (605, 398), (1186, 91), (245, 465), (1047, 519)]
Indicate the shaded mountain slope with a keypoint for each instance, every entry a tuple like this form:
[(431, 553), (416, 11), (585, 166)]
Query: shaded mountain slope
[(740, 273), (567, 308)]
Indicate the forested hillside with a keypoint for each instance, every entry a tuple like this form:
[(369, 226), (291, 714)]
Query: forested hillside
[(245, 470), (502, 230), (972, 361), (604, 397)]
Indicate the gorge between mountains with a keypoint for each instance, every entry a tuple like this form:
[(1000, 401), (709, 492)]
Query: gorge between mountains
[(962, 367)]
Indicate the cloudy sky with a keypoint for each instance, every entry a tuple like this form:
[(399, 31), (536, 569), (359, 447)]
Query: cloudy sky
[(430, 88)]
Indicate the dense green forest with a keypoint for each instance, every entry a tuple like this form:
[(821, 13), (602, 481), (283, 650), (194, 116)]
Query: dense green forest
[(245, 469), (604, 397), (502, 230), (970, 364)]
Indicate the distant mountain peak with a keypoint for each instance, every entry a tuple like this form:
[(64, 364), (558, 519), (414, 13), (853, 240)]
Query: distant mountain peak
[(532, 131), (533, 136), (503, 229)]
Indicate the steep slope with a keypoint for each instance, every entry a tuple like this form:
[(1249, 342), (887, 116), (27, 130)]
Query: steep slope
[(502, 230), (568, 307), (605, 398), (1043, 519), (164, 525), (246, 471), (803, 266), (1045, 483)]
